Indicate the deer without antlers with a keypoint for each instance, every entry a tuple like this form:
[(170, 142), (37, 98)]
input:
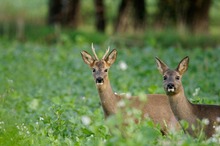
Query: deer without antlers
[(181, 107), (156, 106)]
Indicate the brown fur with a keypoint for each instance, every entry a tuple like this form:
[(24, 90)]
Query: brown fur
[(181, 107), (156, 106)]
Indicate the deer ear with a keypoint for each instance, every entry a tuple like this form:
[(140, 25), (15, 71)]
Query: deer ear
[(162, 67), (87, 58), (183, 65), (110, 59)]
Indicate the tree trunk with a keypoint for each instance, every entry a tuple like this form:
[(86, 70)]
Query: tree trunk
[(139, 14), (198, 16), (54, 12), (190, 14), (71, 13), (100, 15), (131, 16), (65, 12)]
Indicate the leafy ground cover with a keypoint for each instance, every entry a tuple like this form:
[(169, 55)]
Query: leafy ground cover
[(47, 93), (48, 96)]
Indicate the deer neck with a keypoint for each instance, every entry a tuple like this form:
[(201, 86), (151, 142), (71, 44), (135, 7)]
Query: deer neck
[(107, 97), (181, 107)]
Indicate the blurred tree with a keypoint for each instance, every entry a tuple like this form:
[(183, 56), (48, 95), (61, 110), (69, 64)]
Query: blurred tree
[(100, 15), (190, 14), (131, 16), (197, 15), (166, 14), (65, 12), (54, 12), (71, 12)]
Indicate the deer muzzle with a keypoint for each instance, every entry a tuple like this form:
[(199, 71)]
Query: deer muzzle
[(170, 87), (99, 81)]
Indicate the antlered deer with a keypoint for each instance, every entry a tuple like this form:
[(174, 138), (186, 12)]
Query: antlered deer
[(181, 107), (156, 106)]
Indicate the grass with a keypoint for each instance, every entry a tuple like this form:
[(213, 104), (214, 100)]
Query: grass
[(47, 93), (48, 96)]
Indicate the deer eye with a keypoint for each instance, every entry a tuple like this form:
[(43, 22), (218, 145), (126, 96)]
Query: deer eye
[(164, 77), (105, 70), (93, 70), (177, 77)]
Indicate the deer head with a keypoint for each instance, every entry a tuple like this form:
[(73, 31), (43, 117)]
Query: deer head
[(100, 67), (172, 78)]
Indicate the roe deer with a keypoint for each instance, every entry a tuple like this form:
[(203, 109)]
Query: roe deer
[(181, 107), (156, 106)]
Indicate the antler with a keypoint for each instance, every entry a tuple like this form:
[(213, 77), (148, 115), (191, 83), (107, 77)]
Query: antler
[(106, 53), (93, 50)]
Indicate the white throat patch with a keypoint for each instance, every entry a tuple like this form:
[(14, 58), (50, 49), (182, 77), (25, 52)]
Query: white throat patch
[(99, 84), (170, 90)]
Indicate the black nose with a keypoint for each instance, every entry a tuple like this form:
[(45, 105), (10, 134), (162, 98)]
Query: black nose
[(99, 80), (170, 86)]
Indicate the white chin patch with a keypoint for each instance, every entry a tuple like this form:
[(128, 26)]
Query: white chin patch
[(170, 90), (99, 84)]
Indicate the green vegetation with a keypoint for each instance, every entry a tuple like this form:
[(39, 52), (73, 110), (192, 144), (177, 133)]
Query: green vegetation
[(47, 93), (48, 96)]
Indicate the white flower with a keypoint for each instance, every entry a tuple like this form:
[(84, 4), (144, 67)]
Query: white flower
[(86, 120), (218, 119), (41, 118), (128, 95), (121, 103), (123, 65), (196, 92), (217, 129), (24, 127), (213, 139), (205, 121)]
